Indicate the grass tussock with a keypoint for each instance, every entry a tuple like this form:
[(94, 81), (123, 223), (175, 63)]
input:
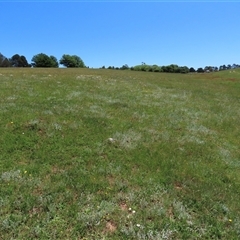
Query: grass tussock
[(101, 154)]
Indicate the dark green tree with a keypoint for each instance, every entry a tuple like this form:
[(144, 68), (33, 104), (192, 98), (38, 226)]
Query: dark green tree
[(54, 61), (72, 61), (4, 62), (184, 69), (156, 68), (173, 68), (124, 67), (164, 68), (200, 70), (19, 61), (208, 69), (43, 60), (147, 68), (222, 67), (192, 70)]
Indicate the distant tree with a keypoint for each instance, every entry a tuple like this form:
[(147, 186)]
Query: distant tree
[(144, 67), (72, 61), (54, 61), (173, 68), (192, 70), (109, 67), (208, 69), (229, 66), (25, 62), (164, 68), (147, 68), (156, 68), (43, 60), (124, 67), (235, 65), (222, 67), (184, 69), (4, 62), (200, 70), (138, 68), (19, 61)]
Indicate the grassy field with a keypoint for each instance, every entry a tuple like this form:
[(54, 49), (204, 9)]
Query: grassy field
[(107, 154)]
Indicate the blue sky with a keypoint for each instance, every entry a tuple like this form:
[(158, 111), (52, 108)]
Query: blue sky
[(114, 33)]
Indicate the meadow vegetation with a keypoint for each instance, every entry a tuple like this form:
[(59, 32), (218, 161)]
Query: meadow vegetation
[(102, 154)]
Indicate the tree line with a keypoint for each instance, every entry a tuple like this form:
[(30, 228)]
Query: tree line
[(173, 68), (74, 61), (42, 60)]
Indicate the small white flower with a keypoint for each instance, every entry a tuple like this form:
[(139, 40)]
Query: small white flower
[(138, 225), (129, 209), (133, 211), (111, 140)]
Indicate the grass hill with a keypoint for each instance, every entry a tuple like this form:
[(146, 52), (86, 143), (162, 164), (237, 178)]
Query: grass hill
[(107, 154)]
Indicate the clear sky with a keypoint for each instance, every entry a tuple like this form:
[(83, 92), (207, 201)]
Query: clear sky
[(114, 33)]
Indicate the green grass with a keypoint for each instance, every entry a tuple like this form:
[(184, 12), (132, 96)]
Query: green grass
[(107, 154)]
